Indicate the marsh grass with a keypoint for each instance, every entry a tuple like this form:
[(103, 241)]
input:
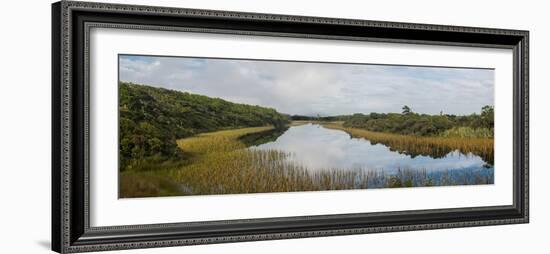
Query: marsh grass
[(224, 166), (219, 163), (436, 146)]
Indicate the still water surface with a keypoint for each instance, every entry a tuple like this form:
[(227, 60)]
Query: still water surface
[(317, 147)]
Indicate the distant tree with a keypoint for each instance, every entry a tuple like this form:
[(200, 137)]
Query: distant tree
[(488, 116), (406, 110), (487, 110)]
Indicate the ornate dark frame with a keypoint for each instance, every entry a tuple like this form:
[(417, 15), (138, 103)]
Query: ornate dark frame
[(71, 22)]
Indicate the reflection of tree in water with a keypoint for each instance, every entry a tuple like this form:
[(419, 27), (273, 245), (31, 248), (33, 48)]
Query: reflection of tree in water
[(433, 147), (258, 138)]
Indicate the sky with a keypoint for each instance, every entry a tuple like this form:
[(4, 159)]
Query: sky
[(312, 88)]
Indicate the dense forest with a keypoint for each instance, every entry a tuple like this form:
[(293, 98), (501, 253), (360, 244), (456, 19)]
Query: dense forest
[(152, 119), (411, 123)]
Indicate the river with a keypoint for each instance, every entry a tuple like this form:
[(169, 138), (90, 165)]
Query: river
[(317, 147)]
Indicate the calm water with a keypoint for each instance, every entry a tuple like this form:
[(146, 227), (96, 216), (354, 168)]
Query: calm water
[(316, 147)]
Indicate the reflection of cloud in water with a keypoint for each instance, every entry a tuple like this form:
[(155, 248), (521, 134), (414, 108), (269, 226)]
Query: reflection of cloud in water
[(317, 147)]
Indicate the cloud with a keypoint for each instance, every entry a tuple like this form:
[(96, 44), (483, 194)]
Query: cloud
[(318, 88)]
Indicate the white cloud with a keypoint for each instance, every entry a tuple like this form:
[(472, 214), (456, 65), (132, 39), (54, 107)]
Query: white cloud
[(318, 88)]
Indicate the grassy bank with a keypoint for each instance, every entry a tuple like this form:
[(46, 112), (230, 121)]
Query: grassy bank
[(155, 177), (219, 163), (418, 145)]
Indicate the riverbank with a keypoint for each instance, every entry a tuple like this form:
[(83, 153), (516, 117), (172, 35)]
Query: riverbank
[(419, 145), (156, 178), (220, 163)]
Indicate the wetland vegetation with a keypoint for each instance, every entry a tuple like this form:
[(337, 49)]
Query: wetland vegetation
[(177, 143)]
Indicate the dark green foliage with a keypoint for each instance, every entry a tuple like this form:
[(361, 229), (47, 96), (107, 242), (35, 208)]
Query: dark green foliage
[(406, 110), (258, 138), (302, 118), (410, 123), (152, 119), (320, 118)]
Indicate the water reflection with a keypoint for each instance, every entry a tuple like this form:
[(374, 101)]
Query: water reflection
[(258, 138), (316, 147)]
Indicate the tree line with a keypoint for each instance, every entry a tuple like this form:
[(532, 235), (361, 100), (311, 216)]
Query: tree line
[(411, 123)]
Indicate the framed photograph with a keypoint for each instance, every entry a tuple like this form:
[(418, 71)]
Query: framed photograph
[(182, 126)]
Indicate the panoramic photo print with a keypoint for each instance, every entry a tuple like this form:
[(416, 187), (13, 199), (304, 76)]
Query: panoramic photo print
[(209, 126)]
